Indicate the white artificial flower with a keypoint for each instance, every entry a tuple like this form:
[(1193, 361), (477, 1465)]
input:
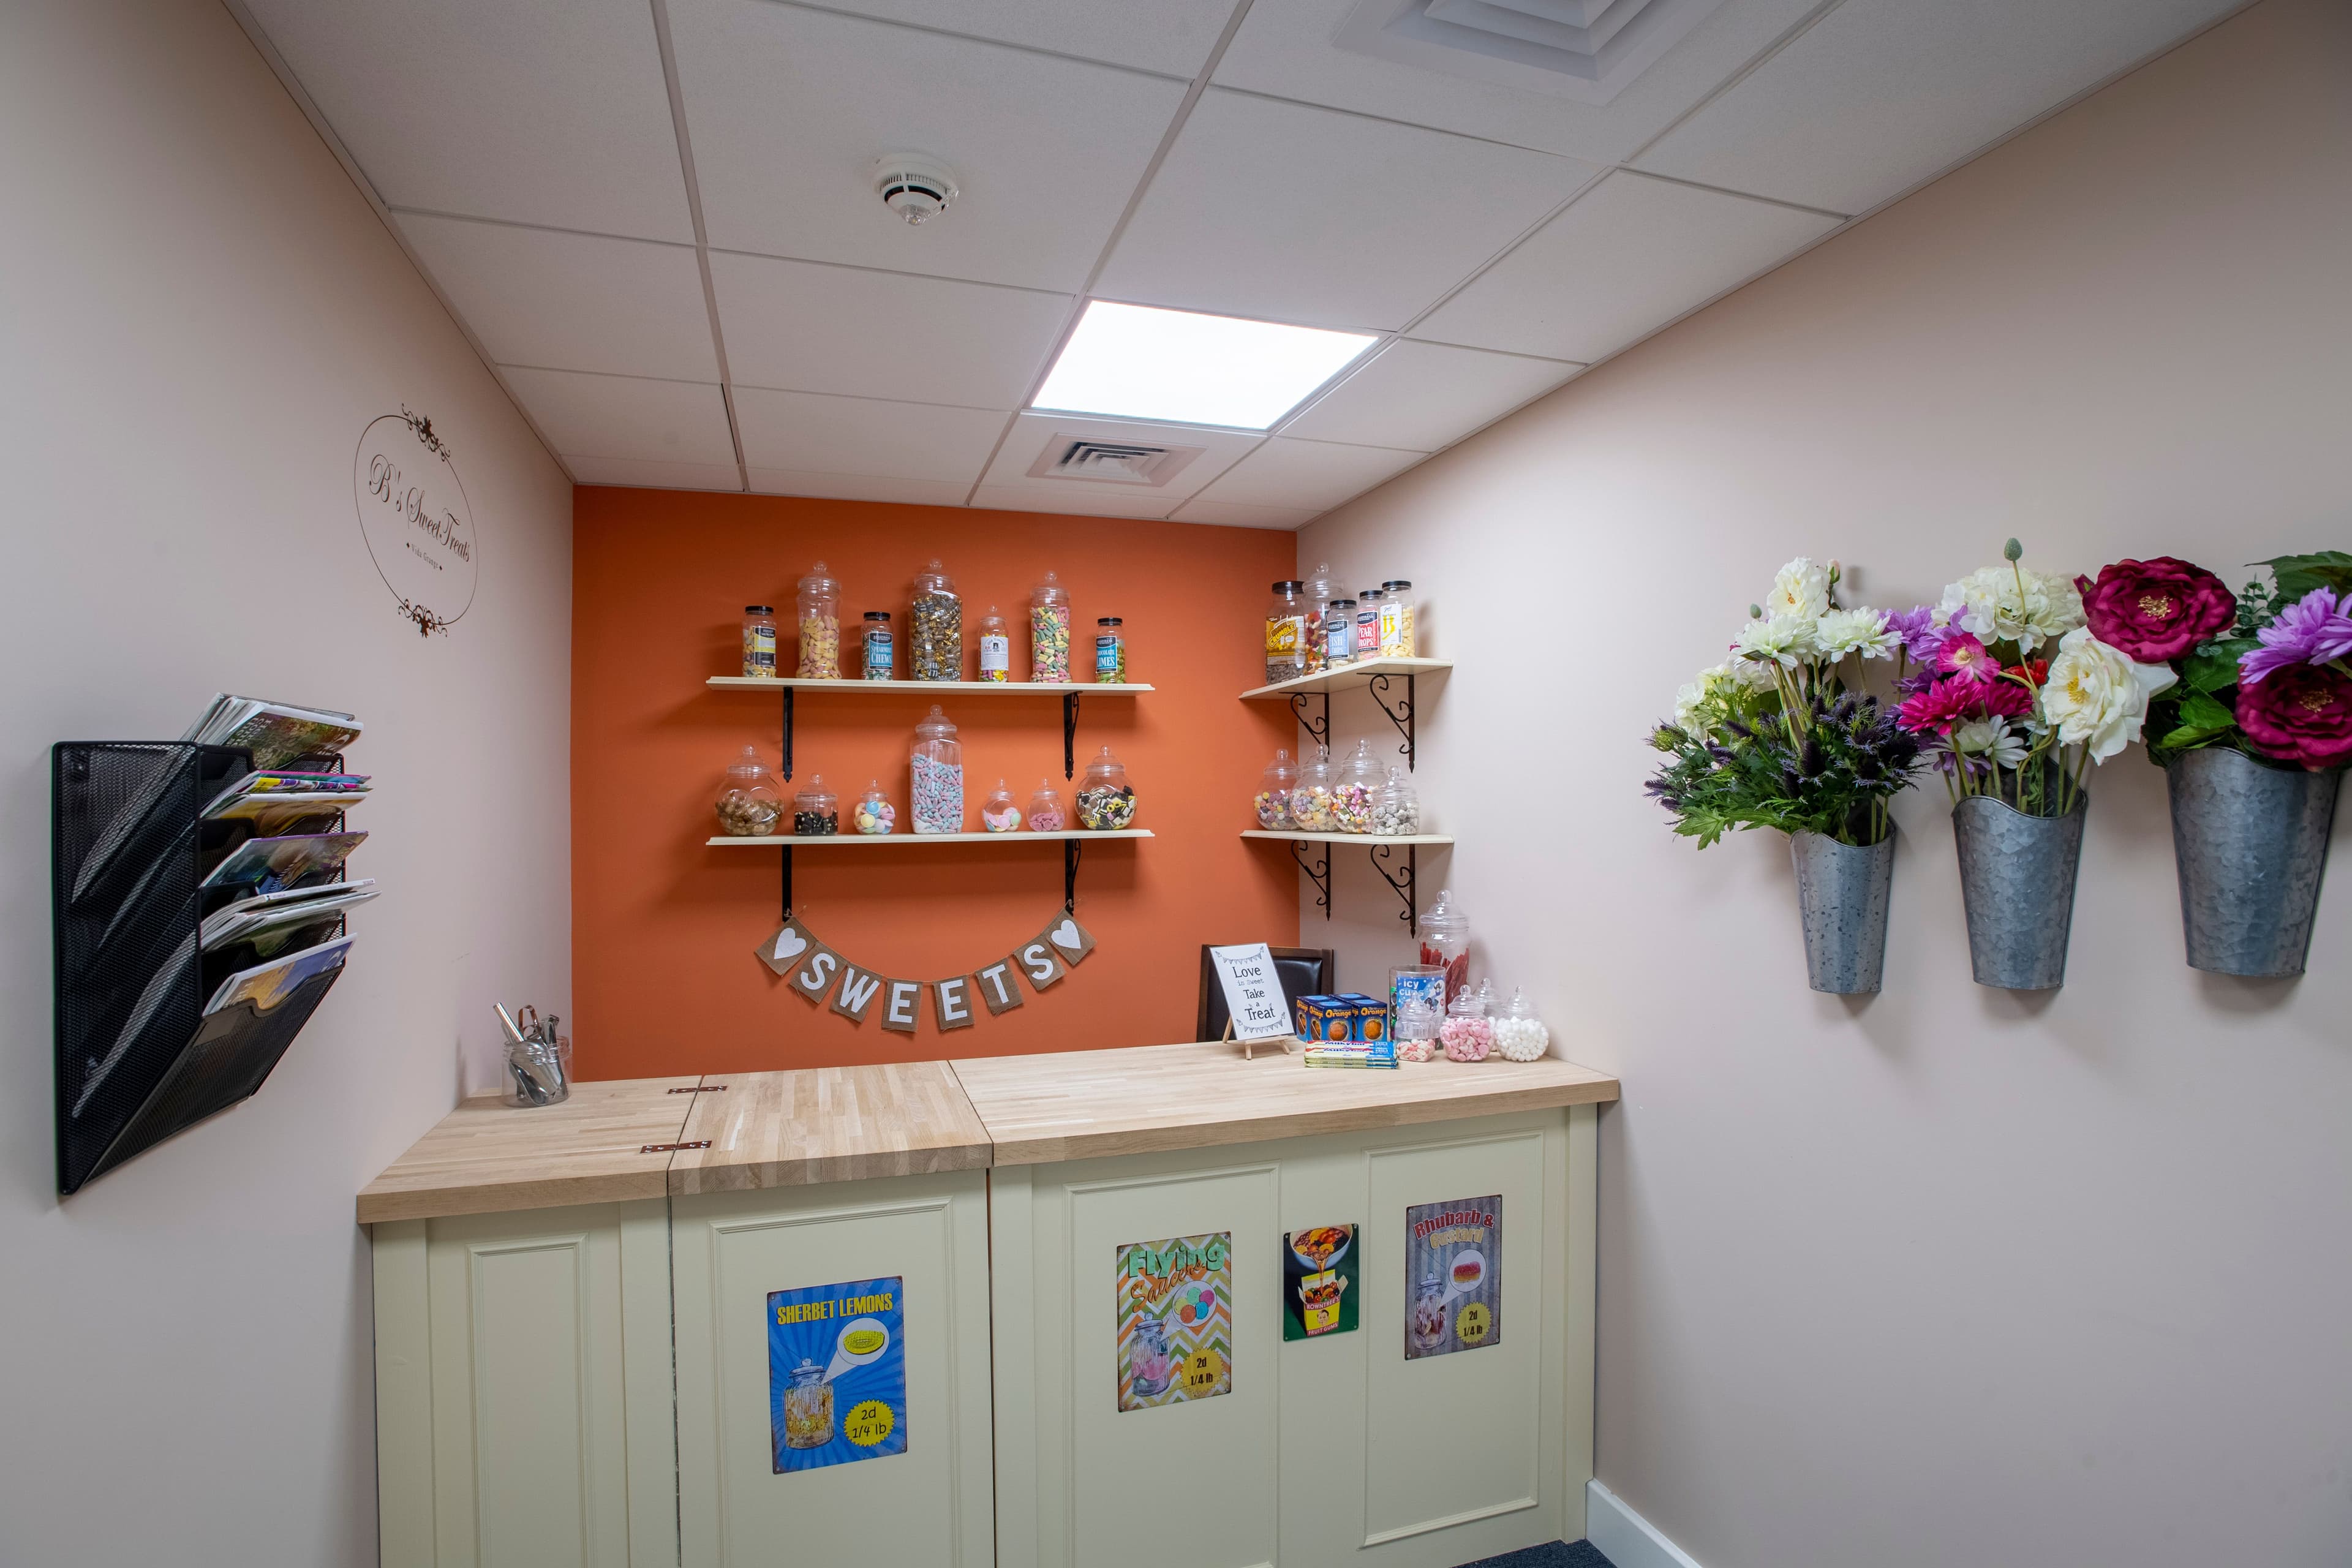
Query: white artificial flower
[(1714, 686), (2097, 696), (1801, 592), (1784, 642), (1841, 632), (1686, 704), (1991, 739), (2011, 603)]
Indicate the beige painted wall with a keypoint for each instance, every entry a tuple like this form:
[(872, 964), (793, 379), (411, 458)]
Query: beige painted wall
[(198, 314), (1951, 1277)]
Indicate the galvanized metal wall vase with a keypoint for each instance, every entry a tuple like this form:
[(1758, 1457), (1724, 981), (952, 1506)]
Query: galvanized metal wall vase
[(2251, 840), (1843, 898), (2017, 881)]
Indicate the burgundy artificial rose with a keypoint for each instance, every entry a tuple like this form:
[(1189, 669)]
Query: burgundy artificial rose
[(2302, 713), (2155, 611)]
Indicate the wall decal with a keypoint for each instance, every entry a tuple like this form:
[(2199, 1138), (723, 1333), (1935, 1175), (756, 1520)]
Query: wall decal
[(415, 520), (1175, 1319), (837, 1373)]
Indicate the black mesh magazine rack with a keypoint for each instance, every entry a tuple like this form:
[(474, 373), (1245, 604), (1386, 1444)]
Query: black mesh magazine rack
[(137, 1059)]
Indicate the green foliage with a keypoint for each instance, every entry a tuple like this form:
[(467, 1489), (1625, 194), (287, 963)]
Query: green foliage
[(1832, 770), (2299, 575)]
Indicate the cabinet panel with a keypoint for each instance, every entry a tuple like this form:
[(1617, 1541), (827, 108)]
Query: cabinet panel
[(930, 1504)]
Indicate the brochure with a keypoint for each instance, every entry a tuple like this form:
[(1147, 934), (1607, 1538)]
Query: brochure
[(275, 733), (266, 985), (280, 915), (271, 863)]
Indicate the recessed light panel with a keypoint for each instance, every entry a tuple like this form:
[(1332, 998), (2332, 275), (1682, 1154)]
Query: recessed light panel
[(1133, 362)]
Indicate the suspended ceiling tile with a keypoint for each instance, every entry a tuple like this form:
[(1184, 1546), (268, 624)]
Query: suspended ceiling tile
[(1311, 475), (1231, 514), (1294, 214), (1881, 94), (1151, 505), (545, 112), (1172, 35), (800, 326), (811, 432), (789, 109), (638, 474), (1423, 396), (1034, 434), (571, 302), (626, 416), (1632, 254), (859, 486), (1285, 50)]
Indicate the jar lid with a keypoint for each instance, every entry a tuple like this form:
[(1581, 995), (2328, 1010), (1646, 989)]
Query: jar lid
[(816, 582), (1369, 594), (936, 724), (1349, 603), (1289, 585), (759, 609), (1393, 584), (1110, 621), (878, 615), (934, 576), (1050, 592)]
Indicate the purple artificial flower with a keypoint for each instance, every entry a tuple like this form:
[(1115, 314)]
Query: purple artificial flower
[(2315, 629), (1922, 637)]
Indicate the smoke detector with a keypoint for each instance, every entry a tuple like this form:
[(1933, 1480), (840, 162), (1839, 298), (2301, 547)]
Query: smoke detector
[(914, 186)]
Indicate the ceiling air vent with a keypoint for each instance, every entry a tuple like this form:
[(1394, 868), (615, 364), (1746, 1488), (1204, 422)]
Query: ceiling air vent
[(1588, 50), (1110, 462)]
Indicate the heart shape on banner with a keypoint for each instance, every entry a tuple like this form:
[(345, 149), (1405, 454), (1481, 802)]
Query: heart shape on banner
[(789, 944), (1065, 935)]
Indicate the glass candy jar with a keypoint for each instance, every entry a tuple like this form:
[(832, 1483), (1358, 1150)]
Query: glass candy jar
[(1106, 800), (874, 813), (1520, 1035), (816, 810), (760, 642), (1316, 591), (1398, 637), (1417, 1023), (1396, 809), (936, 765), (1338, 643), (808, 1407), (1445, 941), (1467, 1033), (1285, 632), (820, 617), (935, 632), (1049, 632), (1000, 813), (1273, 792), (1047, 814), (1311, 797), (1351, 794), (880, 660), (995, 648), (750, 801)]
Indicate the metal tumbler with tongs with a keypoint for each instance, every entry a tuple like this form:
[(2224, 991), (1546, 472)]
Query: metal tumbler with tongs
[(539, 1060)]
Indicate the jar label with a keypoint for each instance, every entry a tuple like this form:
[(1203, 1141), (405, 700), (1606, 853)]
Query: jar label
[(1283, 633), (1342, 640), (995, 652), (1106, 656)]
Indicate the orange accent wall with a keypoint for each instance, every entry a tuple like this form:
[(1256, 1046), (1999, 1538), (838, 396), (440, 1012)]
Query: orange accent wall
[(664, 927)]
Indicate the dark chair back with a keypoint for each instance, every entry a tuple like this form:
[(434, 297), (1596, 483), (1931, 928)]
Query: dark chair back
[(1303, 972)]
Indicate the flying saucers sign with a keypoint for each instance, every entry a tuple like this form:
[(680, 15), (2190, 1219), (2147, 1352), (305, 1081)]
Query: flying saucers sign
[(415, 521)]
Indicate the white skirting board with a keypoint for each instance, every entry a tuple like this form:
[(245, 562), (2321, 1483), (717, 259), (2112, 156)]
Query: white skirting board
[(1624, 1537)]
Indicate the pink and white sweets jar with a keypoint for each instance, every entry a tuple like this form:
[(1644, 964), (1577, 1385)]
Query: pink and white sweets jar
[(1467, 1035)]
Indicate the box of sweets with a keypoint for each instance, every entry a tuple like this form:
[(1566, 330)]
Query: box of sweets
[(1350, 1016)]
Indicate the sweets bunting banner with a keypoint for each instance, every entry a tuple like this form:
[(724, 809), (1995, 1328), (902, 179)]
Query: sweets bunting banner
[(824, 976)]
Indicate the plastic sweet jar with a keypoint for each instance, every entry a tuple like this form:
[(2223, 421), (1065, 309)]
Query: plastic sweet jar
[(1396, 809), (1285, 632), (1351, 795), (1274, 788), (935, 631), (1418, 1019), (1398, 637), (816, 810), (1445, 941), (873, 814), (1049, 632), (1337, 640), (935, 763), (808, 1408), (1520, 1035), (880, 656), (1311, 797), (760, 642), (1000, 813), (1110, 651), (1046, 812), (1427, 1324), (1368, 623), (749, 800), (995, 648), (1467, 1033), (1106, 800), (1147, 1357), (1316, 591), (820, 618)]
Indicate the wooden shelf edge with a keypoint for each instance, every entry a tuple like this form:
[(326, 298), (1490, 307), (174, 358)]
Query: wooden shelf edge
[(1422, 840), (800, 841), (961, 688), (1353, 675)]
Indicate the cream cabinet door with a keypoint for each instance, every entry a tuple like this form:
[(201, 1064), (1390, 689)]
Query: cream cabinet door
[(930, 1505), (523, 1393), (1332, 1450)]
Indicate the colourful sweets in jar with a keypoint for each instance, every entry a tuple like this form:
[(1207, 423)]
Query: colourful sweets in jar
[(1467, 1034), (999, 813), (1274, 787), (995, 648), (873, 814), (760, 642), (1049, 633), (881, 654), (1111, 651), (1106, 800), (820, 618), (1045, 813)]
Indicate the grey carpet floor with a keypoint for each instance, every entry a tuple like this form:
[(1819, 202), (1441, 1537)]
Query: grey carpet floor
[(1559, 1554)]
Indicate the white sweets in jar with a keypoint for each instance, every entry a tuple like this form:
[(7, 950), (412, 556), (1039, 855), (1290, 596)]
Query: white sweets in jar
[(1520, 1035)]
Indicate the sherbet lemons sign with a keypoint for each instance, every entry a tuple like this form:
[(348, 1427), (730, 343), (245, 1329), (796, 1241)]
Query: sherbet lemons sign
[(1175, 1319), (415, 521), (837, 1373)]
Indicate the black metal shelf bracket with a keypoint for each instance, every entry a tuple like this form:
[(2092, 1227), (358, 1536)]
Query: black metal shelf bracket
[(1069, 735), (788, 881), (1399, 715), (1407, 885), (1318, 871), (788, 755), (1070, 871), (1319, 728)]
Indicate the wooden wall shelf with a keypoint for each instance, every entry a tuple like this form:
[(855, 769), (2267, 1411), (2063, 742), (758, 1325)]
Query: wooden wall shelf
[(1380, 674)]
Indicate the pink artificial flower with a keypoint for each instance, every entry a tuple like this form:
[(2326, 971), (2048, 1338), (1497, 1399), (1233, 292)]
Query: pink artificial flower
[(2299, 713), (2157, 610), (1964, 655), (1961, 700)]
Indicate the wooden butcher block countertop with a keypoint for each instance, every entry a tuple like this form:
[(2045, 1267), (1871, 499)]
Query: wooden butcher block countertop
[(1078, 1105), (611, 1140)]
